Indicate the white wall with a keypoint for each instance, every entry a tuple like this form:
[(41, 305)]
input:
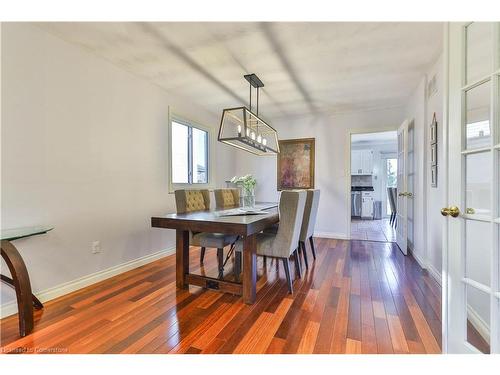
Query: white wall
[(332, 140), (435, 195), (84, 148), (415, 113), (428, 222)]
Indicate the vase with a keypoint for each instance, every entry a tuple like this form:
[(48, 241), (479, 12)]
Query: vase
[(248, 197)]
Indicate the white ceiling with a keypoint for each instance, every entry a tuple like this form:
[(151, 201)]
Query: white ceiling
[(306, 67), (378, 137)]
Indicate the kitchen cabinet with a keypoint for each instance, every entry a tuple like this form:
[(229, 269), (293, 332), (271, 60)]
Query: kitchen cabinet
[(361, 162)]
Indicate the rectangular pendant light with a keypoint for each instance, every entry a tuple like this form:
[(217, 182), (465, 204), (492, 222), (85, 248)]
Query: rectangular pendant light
[(241, 128)]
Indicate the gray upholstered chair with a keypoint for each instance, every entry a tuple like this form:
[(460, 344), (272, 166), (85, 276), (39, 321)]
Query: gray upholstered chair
[(284, 243), (308, 223), (199, 200), (227, 198)]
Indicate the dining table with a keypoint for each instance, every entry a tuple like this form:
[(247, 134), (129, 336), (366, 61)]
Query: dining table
[(245, 222), (20, 279)]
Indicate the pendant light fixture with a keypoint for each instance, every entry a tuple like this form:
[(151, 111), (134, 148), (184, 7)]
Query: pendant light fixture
[(244, 129)]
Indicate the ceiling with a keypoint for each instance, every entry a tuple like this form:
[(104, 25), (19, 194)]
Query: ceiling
[(306, 67), (378, 137)]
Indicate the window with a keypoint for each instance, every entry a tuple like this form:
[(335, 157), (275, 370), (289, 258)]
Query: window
[(189, 158)]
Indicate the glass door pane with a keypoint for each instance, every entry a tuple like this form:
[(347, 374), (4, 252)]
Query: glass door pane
[(477, 117), (478, 184), (479, 51), (478, 319)]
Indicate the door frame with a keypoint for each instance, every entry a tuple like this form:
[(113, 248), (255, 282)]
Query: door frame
[(350, 132)]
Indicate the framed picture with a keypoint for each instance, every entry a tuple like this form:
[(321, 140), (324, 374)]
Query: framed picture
[(434, 154), (296, 164), (434, 176)]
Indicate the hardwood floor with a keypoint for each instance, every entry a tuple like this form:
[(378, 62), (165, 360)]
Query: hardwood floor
[(357, 297), (372, 230)]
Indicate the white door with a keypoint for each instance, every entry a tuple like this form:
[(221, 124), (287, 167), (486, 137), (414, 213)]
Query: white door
[(402, 190), (471, 292)]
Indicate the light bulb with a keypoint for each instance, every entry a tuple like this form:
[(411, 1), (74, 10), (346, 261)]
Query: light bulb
[(248, 132), (259, 138), (239, 129), (252, 136), (264, 141)]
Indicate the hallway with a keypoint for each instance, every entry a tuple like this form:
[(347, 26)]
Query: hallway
[(372, 230)]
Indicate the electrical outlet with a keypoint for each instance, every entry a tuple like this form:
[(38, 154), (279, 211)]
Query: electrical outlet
[(96, 247)]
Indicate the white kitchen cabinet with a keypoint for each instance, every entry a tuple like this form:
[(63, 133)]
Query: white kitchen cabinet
[(356, 162), (367, 161), (361, 162)]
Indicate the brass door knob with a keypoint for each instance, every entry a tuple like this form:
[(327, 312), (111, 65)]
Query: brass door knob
[(452, 211)]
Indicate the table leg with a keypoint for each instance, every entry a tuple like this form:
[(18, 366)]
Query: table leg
[(249, 269), (22, 285), (36, 302), (182, 257)]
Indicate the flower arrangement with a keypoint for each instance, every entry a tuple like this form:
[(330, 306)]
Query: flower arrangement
[(248, 183)]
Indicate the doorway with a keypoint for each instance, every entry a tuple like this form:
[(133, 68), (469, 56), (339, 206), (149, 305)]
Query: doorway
[(373, 175)]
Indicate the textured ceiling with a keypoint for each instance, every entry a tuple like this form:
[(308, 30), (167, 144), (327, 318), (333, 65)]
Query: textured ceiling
[(306, 67)]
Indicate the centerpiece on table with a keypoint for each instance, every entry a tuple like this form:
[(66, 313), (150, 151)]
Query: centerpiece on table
[(246, 184)]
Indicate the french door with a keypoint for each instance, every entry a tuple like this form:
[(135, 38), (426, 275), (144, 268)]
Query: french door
[(472, 214), (402, 189)]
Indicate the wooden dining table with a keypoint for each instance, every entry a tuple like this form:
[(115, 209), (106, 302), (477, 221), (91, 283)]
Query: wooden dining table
[(217, 221)]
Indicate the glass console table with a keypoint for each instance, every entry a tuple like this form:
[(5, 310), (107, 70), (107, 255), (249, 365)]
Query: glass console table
[(20, 279)]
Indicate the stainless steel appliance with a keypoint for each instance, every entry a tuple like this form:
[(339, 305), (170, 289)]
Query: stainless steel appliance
[(360, 194), (355, 203)]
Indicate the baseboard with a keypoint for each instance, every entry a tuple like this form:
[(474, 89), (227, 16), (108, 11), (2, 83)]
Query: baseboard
[(10, 308), (478, 323), (339, 236), (436, 275), (419, 260)]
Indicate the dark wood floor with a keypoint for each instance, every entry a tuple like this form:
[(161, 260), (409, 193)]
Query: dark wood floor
[(358, 297)]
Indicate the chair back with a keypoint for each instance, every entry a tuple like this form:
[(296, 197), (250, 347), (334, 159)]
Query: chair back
[(192, 200), (310, 213), (291, 210), (226, 198), (391, 194)]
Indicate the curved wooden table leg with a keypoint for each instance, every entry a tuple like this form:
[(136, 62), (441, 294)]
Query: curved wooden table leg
[(22, 285), (37, 304)]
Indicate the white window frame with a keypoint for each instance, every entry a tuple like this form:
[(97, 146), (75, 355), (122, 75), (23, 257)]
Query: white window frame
[(210, 172)]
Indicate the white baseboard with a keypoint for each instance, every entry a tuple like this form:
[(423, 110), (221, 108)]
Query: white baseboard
[(419, 260), (478, 323), (434, 273), (339, 236), (10, 308)]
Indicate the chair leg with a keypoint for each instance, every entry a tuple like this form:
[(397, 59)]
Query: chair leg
[(302, 244), (298, 268), (237, 266), (202, 255), (311, 241), (220, 261), (286, 265)]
